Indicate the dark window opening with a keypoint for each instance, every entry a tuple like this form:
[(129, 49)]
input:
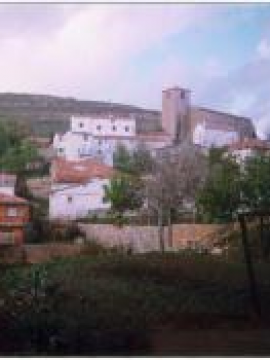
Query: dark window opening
[(182, 94)]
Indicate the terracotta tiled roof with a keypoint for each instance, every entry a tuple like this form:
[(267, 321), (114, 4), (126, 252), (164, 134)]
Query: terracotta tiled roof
[(11, 199), (40, 141), (149, 136), (253, 144), (154, 136), (80, 171)]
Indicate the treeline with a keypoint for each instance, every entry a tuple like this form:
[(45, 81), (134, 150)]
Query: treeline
[(213, 187), (16, 152)]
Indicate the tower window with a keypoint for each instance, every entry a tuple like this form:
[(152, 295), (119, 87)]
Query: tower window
[(126, 128), (69, 199), (85, 137), (99, 127), (80, 124), (114, 128), (182, 94)]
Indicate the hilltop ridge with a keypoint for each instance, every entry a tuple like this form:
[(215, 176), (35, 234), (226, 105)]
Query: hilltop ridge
[(46, 114)]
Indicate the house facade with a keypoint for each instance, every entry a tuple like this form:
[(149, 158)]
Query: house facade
[(78, 188), (246, 148), (14, 212)]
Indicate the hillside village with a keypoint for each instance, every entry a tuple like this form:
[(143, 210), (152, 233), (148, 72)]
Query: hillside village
[(134, 179), (89, 214), (76, 175), (77, 166)]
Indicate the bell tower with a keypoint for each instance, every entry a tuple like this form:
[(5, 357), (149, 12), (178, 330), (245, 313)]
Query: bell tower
[(176, 113)]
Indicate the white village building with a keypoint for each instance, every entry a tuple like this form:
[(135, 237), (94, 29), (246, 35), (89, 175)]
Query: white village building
[(7, 183), (207, 136), (98, 138), (78, 188), (246, 148)]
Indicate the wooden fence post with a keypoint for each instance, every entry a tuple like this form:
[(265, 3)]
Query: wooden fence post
[(253, 288)]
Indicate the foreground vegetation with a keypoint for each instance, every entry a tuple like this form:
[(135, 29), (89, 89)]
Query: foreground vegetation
[(109, 304)]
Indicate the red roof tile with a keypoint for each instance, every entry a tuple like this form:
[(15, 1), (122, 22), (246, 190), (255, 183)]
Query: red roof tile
[(11, 199), (253, 144), (154, 136), (80, 171)]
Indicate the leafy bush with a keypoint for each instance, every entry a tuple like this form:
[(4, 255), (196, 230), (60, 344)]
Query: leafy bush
[(98, 305)]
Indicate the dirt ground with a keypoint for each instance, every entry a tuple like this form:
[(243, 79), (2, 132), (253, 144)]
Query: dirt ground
[(221, 342)]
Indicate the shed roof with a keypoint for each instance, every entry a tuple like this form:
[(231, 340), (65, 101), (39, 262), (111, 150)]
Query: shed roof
[(80, 171)]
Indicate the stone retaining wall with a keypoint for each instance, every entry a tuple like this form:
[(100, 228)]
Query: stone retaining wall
[(146, 238)]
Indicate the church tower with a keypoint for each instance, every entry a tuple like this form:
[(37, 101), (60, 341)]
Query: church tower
[(176, 113)]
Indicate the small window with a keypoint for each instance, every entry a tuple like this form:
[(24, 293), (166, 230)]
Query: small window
[(99, 151), (60, 150), (182, 94), (114, 128), (99, 142), (126, 128), (12, 212), (80, 124), (99, 127), (69, 199), (85, 137)]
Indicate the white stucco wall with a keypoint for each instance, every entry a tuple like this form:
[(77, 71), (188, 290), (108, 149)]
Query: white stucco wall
[(242, 155), (74, 200), (9, 190), (103, 126), (68, 145), (213, 137)]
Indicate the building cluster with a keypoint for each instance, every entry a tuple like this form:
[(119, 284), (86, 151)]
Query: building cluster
[(82, 158), (85, 153), (98, 137)]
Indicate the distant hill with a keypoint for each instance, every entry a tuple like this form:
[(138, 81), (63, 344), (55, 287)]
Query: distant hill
[(46, 114)]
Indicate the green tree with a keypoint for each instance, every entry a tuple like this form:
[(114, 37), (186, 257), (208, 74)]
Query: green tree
[(123, 194), (15, 150), (220, 197), (142, 160), (137, 162), (122, 159), (256, 183), (16, 158)]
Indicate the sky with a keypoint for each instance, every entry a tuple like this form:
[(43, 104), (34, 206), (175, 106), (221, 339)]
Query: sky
[(129, 53)]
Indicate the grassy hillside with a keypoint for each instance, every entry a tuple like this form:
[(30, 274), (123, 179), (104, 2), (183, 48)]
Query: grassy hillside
[(44, 114)]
